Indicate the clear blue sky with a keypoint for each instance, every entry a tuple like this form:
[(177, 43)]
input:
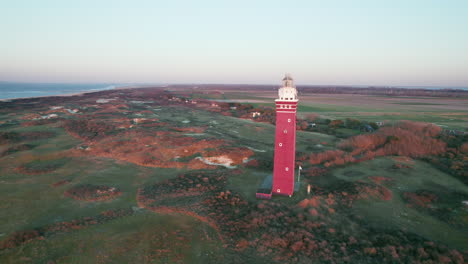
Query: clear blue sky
[(374, 42)]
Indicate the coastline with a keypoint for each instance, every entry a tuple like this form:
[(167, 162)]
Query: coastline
[(6, 100)]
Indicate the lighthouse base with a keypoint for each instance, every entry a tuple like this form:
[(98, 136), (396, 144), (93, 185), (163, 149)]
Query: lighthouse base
[(265, 191)]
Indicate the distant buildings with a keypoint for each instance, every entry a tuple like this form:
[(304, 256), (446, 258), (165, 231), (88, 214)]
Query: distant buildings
[(379, 123), (49, 116)]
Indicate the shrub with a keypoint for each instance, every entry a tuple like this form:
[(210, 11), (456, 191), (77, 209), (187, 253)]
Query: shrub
[(352, 123), (88, 129), (336, 124)]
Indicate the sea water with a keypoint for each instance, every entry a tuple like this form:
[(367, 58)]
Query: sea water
[(10, 90)]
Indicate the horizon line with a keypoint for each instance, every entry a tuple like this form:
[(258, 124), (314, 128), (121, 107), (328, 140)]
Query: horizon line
[(243, 84)]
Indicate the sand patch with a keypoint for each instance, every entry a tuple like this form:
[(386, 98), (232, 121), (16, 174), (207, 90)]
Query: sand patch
[(218, 161)]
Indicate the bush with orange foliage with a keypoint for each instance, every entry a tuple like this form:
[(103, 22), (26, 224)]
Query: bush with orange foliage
[(464, 148), (420, 199), (412, 139), (302, 125), (336, 123), (165, 149), (40, 122), (19, 238), (376, 191), (329, 155), (88, 129)]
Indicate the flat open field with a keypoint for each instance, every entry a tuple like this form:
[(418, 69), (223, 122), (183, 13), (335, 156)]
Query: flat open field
[(150, 176), (451, 113)]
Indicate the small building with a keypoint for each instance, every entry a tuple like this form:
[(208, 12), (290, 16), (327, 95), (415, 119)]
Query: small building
[(454, 132)]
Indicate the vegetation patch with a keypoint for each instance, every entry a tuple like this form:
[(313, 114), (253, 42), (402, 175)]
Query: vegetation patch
[(20, 238), (411, 139), (165, 149), (88, 129), (312, 229), (42, 166), (454, 160), (95, 193), (420, 199), (60, 183), (9, 137), (390, 210), (16, 148), (40, 122), (37, 135)]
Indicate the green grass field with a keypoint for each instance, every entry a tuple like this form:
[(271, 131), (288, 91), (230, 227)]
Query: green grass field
[(395, 214), (33, 198)]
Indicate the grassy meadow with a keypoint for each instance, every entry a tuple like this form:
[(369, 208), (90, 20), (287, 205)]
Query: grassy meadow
[(387, 209)]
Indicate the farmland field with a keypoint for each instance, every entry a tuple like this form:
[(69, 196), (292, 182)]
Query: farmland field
[(447, 112)]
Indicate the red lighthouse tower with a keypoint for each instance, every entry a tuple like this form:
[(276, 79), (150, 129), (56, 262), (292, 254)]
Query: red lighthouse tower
[(285, 139), (282, 182)]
